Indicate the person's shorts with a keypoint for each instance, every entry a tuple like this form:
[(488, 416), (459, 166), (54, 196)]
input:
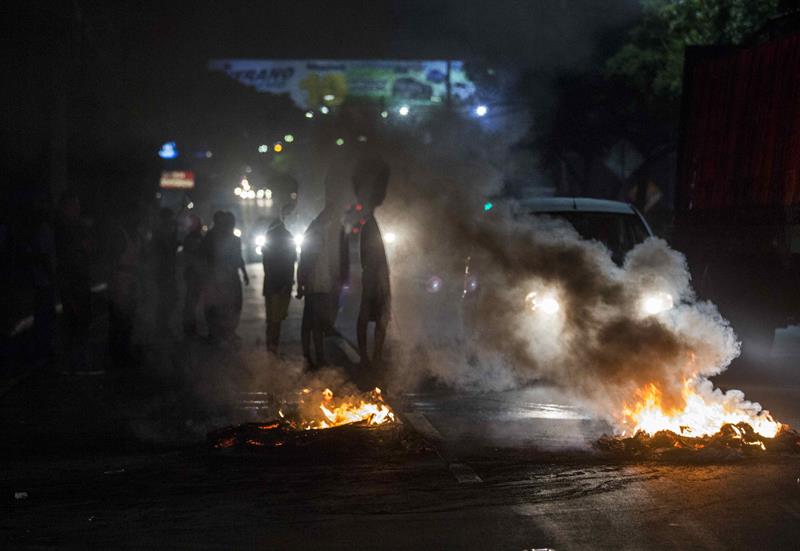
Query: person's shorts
[(277, 306)]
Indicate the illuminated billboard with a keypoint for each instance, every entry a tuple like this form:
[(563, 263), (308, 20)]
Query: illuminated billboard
[(313, 83)]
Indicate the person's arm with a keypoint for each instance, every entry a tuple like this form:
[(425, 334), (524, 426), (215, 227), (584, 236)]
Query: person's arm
[(242, 266), (344, 257)]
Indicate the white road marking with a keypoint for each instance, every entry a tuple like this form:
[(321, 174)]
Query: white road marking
[(464, 474), (423, 426)]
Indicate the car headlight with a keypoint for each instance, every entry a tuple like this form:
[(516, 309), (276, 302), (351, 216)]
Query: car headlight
[(261, 240), (545, 303), (655, 303)]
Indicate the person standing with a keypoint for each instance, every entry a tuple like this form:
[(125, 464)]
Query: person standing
[(279, 254), (370, 180), (223, 250), (165, 249), (42, 254), (123, 290), (193, 272), (73, 250), (323, 269)]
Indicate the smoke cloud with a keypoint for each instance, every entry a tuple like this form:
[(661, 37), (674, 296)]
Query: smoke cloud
[(600, 346)]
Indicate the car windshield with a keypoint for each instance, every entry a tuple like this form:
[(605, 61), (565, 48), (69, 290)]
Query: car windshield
[(619, 232)]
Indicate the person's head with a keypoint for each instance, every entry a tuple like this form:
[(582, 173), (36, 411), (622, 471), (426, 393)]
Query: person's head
[(194, 223), (229, 221), (370, 178), (166, 216), (219, 219), (69, 206), (286, 210)]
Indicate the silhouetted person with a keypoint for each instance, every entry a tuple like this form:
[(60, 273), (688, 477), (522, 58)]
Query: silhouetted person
[(370, 179), (194, 270), (223, 250), (41, 252), (165, 249), (126, 255), (324, 267), (279, 254), (73, 250)]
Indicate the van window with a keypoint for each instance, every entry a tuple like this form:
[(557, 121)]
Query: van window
[(619, 232)]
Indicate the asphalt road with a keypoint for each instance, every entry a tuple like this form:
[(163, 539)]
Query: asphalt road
[(118, 461)]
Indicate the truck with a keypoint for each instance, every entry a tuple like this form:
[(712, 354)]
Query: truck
[(737, 212)]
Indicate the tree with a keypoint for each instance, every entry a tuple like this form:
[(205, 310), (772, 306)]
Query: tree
[(652, 61)]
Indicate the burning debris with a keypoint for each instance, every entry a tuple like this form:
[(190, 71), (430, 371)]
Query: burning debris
[(703, 412), (732, 441), (302, 422)]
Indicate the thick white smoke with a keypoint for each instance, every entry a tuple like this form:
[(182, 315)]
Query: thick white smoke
[(599, 346)]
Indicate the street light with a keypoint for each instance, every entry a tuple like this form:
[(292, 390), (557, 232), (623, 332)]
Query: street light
[(481, 110), (324, 110), (309, 114), (288, 138), (328, 97), (263, 148), (384, 114), (404, 110)]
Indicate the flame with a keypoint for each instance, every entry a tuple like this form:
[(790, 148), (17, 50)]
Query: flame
[(699, 415), (369, 409)]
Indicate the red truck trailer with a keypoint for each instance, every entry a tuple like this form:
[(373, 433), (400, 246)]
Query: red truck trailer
[(737, 213)]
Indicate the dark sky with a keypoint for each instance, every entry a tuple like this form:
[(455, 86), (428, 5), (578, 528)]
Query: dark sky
[(535, 33), (108, 62)]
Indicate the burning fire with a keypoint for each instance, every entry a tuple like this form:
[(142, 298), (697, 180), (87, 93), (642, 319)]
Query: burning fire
[(699, 416), (328, 412)]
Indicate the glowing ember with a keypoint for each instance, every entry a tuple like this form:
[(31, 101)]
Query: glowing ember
[(702, 414)]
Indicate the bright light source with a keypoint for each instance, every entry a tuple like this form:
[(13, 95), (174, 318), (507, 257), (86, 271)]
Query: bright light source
[(547, 303), (263, 148), (384, 114), (309, 114), (328, 97), (404, 110), (259, 251), (251, 194), (655, 303), (168, 151), (267, 194), (550, 305), (260, 194), (339, 141), (260, 240), (390, 237), (237, 232), (298, 239), (434, 284), (362, 138), (324, 110), (288, 138), (237, 191), (278, 147), (481, 110), (190, 205), (487, 206), (245, 184)]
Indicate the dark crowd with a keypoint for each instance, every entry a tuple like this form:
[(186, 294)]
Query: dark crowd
[(185, 273)]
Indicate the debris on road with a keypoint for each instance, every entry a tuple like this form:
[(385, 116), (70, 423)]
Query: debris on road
[(731, 442)]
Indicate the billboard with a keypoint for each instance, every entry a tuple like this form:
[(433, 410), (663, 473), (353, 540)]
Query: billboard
[(177, 179), (312, 83)]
